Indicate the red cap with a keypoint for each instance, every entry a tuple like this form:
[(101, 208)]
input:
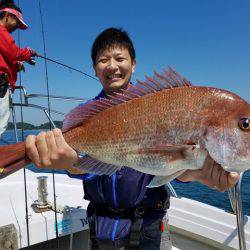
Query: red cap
[(19, 16)]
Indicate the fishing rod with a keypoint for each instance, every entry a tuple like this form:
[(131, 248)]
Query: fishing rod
[(69, 67), (49, 115)]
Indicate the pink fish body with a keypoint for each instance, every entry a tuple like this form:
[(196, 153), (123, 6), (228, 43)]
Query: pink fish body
[(161, 127)]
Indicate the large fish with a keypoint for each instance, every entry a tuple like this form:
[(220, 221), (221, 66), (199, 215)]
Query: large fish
[(161, 126)]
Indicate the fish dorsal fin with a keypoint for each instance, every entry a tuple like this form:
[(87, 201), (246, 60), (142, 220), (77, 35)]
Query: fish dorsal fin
[(166, 80)]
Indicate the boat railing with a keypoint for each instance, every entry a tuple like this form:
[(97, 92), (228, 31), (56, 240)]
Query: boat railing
[(47, 111)]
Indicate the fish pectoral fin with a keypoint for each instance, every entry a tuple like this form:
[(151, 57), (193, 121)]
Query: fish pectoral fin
[(93, 166), (171, 152), (162, 180)]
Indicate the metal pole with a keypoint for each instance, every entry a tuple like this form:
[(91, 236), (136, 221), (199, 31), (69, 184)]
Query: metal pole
[(172, 189), (231, 196), (48, 116), (42, 191), (65, 98), (14, 122), (239, 215)]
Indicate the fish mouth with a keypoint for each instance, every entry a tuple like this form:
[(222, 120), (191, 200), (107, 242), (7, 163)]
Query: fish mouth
[(238, 167)]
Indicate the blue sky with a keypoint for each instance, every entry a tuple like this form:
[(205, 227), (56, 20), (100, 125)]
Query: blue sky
[(208, 42)]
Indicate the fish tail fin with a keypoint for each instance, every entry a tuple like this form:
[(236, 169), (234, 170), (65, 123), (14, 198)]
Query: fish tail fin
[(12, 158)]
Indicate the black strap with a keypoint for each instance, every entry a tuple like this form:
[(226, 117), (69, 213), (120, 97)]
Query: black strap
[(134, 238), (3, 84), (3, 78), (92, 231), (3, 89)]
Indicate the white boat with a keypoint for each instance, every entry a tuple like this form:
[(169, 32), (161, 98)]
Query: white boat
[(193, 225), (70, 206)]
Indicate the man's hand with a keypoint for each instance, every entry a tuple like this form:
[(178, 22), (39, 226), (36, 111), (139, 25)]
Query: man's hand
[(31, 62), (212, 175), (20, 66), (33, 53), (50, 150)]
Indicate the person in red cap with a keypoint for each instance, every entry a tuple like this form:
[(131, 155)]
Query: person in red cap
[(11, 56)]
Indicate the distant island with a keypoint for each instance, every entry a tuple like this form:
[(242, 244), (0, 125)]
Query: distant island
[(28, 126)]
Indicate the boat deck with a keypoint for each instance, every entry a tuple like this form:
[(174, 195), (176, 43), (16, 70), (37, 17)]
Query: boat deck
[(70, 204), (193, 225)]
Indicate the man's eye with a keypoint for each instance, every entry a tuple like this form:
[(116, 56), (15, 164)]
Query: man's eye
[(102, 60), (120, 59)]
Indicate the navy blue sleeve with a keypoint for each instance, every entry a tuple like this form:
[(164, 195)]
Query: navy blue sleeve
[(81, 176)]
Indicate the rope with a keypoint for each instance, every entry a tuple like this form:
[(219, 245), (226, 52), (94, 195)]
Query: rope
[(69, 67), (48, 94), (24, 169)]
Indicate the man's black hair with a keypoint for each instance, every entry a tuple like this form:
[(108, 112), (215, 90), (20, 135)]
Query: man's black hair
[(109, 38)]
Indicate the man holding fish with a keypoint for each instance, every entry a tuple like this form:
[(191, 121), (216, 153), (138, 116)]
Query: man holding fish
[(124, 213)]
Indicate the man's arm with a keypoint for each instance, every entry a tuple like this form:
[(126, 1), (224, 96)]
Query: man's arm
[(10, 51)]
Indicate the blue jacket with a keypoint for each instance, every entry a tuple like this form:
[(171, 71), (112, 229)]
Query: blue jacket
[(124, 189)]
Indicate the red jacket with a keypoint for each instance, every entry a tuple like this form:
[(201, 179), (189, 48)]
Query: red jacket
[(10, 54)]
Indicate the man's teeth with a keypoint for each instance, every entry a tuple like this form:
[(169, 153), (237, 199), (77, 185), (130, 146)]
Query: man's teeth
[(114, 76)]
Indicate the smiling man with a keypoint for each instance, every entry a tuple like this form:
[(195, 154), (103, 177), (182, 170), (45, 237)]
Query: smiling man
[(113, 66), (123, 213)]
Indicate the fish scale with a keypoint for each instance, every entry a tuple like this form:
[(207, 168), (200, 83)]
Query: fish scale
[(121, 123)]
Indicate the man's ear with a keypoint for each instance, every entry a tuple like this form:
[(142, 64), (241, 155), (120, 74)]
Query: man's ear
[(6, 16), (94, 69), (133, 65)]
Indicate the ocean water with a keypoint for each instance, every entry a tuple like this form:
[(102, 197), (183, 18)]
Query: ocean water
[(193, 190)]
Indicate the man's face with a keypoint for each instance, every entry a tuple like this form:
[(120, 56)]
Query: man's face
[(12, 22), (114, 68)]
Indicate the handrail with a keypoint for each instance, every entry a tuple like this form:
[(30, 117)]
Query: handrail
[(37, 107), (58, 97), (66, 98)]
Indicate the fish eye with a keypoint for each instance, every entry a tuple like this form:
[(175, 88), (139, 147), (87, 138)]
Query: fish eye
[(244, 124)]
